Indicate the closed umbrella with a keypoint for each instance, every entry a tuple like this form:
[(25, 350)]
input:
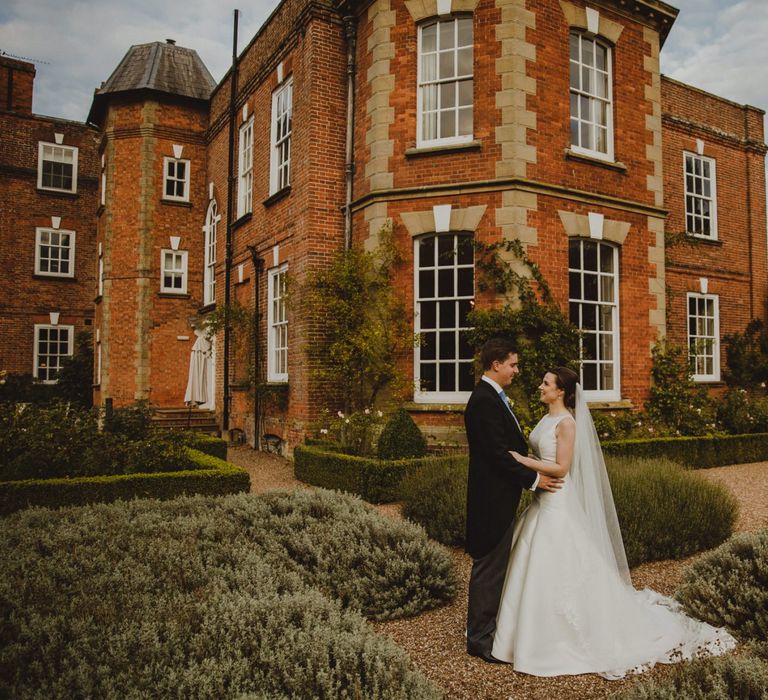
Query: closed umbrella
[(197, 383)]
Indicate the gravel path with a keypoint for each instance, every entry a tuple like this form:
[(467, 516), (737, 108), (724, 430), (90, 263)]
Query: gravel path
[(435, 639)]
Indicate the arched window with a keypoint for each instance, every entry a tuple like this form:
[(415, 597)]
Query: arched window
[(209, 270), (593, 296), (444, 295), (591, 97)]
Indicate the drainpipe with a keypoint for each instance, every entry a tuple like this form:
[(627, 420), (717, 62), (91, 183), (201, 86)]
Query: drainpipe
[(749, 215), (258, 268), (230, 218), (350, 33)]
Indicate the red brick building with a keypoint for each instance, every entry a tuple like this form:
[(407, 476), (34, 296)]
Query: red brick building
[(543, 121), (48, 194)]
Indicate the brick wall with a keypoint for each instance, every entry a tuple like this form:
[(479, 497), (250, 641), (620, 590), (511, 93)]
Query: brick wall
[(734, 264), (28, 298)]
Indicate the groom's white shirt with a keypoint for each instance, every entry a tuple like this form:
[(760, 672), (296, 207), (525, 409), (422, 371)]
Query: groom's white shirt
[(499, 390)]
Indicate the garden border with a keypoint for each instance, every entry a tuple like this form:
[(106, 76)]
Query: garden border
[(213, 477), (375, 480)]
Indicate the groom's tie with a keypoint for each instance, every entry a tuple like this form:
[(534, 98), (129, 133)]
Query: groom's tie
[(503, 397)]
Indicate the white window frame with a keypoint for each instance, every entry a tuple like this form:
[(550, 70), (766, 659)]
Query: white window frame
[(424, 83), (598, 394), (36, 355), (715, 337), (100, 272), (592, 97), (42, 147), (183, 255), (172, 177), (421, 395), (97, 368), (212, 218), (277, 325), (280, 138), (712, 199), (39, 231), (245, 169), (103, 192)]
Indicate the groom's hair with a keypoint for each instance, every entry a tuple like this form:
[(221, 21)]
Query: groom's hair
[(496, 350)]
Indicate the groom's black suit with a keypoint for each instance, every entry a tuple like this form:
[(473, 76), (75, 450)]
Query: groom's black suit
[(494, 487)]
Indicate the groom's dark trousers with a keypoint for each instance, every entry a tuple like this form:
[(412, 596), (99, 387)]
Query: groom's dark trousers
[(494, 486)]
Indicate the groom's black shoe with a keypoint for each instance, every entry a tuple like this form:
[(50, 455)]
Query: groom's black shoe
[(487, 657)]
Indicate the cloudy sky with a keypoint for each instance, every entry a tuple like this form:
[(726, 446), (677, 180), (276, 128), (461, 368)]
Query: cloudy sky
[(717, 45)]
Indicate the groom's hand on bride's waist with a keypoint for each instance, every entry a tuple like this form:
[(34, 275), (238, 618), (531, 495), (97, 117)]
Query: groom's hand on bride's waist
[(549, 483)]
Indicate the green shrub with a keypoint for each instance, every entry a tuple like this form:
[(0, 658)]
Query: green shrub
[(675, 400), (211, 445), (203, 474), (739, 413), (729, 586), (664, 510), (202, 597), (695, 452), (401, 438), (718, 678), (667, 512), (377, 481), (58, 440), (436, 497)]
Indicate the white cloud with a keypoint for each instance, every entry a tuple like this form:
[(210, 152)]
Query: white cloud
[(77, 45)]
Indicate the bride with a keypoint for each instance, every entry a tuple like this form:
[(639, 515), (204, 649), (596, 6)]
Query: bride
[(568, 605)]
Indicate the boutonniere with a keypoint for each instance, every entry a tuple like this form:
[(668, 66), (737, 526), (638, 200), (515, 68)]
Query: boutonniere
[(509, 401)]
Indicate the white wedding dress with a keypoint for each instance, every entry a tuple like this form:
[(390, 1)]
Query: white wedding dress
[(566, 610)]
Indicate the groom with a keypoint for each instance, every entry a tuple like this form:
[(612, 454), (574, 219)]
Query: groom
[(494, 487)]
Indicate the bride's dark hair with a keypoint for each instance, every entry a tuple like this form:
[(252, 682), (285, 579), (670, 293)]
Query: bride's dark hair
[(566, 379)]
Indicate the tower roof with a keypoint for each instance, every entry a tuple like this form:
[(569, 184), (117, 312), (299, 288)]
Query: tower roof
[(160, 67)]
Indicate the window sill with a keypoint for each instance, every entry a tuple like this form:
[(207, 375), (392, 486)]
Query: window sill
[(277, 196), (174, 295), (690, 238), (177, 202), (53, 278), (621, 405), (712, 383), (413, 407), (207, 308), (57, 193), (611, 165), (419, 151), (244, 219)]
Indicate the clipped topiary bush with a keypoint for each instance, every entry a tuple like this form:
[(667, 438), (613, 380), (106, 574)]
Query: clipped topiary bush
[(729, 586), (401, 438), (213, 597), (665, 511), (719, 678)]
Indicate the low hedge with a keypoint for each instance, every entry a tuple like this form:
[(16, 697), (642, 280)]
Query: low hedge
[(375, 480), (665, 511), (695, 452), (210, 476), (210, 444)]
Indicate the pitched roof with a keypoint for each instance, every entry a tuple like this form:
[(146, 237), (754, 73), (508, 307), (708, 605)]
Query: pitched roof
[(159, 66)]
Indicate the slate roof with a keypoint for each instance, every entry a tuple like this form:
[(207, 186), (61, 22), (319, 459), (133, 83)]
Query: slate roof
[(159, 66)]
